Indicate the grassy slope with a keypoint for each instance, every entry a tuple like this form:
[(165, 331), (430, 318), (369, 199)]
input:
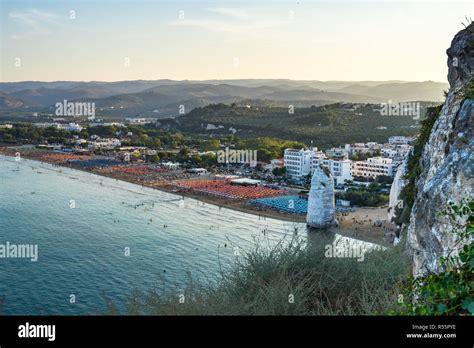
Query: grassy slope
[(262, 281)]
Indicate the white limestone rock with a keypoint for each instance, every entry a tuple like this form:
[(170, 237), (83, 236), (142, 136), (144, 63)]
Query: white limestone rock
[(447, 162), (397, 186), (321, 204)]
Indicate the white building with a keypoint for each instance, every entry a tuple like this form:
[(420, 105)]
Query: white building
[(71, 127), (340, 169), (136, 120), (199, 171), (105, 143), (170, 165), (46, 125), (362, 148), (336, 152), (297, 162), (373, 167), (80, 141), (274, 163), (396, 151)]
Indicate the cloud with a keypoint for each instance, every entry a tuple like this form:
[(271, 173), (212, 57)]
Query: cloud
[(225, 26), (239, 21), (33, 17), (231, 12), (34, 21)]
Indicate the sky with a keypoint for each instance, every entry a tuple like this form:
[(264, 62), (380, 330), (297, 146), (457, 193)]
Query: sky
[(106, 40)]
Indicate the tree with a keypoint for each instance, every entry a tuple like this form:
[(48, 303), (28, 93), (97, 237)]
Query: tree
[(177, 139), (143, 139), (155, 143), (154, 158), (264, 155), (279, 171), (384, 179), (213, 145), (307, 181), (196, 159)]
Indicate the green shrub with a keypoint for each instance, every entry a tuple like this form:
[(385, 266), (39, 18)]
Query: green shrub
[(469, 93), (450, 292), (262, 282), (364, 197)]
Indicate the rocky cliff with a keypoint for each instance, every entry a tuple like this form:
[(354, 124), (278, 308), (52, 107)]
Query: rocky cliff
[(397, 185), (447, 162)]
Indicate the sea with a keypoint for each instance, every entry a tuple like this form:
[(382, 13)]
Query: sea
[(101, 239)]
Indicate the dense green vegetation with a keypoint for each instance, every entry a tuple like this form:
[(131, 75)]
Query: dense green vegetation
[(153, 138), (365, 197), (268, 148), (469, 94), (26, 133), (279, 171), (326, 126)]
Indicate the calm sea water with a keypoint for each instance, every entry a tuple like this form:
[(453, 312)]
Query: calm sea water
[(82, 250)]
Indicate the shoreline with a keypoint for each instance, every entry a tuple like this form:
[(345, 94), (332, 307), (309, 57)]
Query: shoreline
[(357, 224), (208, 199)]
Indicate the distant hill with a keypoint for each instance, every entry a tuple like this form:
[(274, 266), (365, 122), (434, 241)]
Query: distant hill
[(8, 101), (426, 91), (167, 99), (43, 97), (162, 98)]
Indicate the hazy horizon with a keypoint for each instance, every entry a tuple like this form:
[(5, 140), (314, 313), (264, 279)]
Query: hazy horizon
[(205, 80), (207, 40)]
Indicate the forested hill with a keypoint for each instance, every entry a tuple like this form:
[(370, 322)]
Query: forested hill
[(329, 125)]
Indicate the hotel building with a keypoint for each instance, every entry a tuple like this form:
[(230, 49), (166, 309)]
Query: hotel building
[(300, 163), (373, 167), (297, 162)]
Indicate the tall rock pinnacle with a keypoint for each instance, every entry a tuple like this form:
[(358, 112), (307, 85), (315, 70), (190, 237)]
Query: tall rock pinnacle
[(321, 205)]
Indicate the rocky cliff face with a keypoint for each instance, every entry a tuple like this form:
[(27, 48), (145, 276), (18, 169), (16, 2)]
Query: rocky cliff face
[(397, 185), (321, 206), (447, 162)]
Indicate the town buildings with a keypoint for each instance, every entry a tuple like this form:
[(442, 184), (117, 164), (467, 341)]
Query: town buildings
[(373, 167), (70, 127), (300, 163), (340, 169), (379, 159), (398, 139), (104, 143)]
